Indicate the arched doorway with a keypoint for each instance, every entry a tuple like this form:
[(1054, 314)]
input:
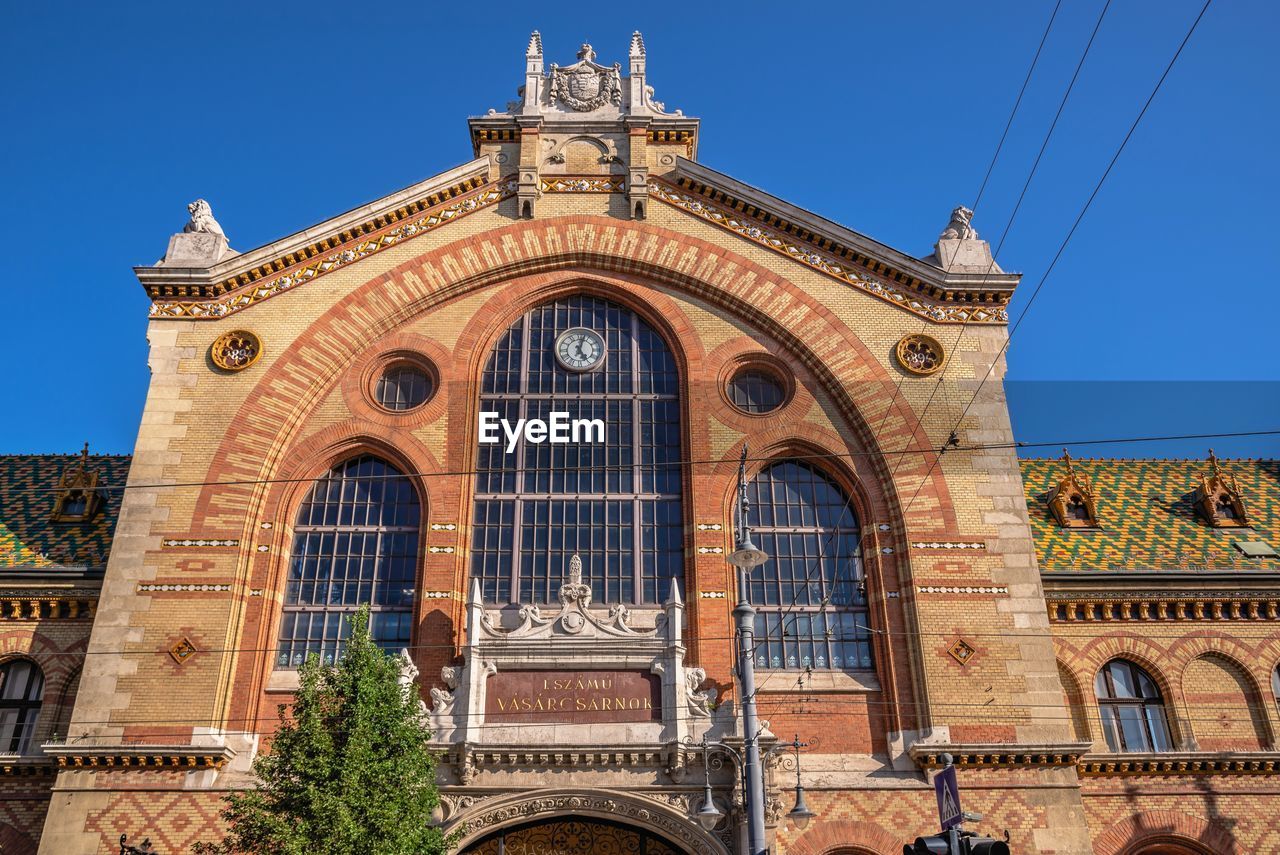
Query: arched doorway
[(573, 835)]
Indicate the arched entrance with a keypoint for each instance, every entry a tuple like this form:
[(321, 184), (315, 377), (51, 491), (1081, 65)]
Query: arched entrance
[(571, 835)]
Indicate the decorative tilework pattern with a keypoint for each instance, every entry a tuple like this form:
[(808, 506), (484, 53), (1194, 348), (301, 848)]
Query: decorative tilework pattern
[(28, 538), (1149, 516), (583, 185), (826, 263)]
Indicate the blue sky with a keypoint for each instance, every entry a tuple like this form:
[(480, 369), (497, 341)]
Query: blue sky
[(880, 116)]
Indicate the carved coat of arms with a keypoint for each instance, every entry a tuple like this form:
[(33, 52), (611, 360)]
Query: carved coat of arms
[(586, 85)]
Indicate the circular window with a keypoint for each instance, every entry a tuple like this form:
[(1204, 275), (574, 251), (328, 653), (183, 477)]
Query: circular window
[(403, 386), (920, 354), (755, 391)]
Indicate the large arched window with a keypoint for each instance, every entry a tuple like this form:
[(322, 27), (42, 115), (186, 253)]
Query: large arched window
[(355, 542), (1131, 707), (810, 600), (21, 690), (616, 503)]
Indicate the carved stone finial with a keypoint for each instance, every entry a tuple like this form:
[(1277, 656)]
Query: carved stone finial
[(535, 46), (637, 45), (202, 220), (575, 590)]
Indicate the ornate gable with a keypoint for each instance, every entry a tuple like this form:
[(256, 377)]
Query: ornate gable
[(1218, 497)]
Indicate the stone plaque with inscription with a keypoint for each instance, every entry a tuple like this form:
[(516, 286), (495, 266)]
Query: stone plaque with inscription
[(578, 697)]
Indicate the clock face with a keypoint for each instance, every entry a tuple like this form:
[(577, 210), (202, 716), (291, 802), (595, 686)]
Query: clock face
[(580, 349)]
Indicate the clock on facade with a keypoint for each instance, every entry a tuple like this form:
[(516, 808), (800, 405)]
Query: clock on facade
[(580, 349)]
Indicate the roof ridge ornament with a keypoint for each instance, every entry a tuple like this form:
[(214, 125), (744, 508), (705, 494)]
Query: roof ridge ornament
[(1073, 502), (1219, 499), (586, 85)]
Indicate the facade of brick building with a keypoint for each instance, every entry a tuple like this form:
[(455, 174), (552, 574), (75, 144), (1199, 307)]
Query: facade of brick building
[(1093, 641)]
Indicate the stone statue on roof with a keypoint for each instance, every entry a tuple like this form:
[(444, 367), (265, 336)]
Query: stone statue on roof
[(961, 226), (202, 219)]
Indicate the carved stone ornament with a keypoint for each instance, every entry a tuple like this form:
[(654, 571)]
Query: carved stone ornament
[(202, 220), (408, 680), (235, 350), (669, 821), (921, 354), (586, 85), (700, 700), (961, 226)]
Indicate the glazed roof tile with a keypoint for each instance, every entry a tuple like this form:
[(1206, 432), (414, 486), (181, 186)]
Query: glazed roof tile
[(29, 539), (1148, 517)]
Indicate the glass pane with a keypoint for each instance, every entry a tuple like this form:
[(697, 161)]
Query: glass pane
[(355, 543), (1133, 728), (756, 391), (1122, 680), (1111, 727), (616, 503)]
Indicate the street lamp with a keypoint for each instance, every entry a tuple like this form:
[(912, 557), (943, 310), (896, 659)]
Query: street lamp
[(709, 816), (800, 814)]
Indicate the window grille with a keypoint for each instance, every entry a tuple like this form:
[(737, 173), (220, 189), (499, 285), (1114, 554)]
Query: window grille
[(355, 542)]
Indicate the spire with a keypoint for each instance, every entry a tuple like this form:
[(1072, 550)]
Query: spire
[(637, 45), (535, 47)]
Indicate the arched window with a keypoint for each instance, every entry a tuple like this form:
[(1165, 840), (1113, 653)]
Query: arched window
[(1131, 707), (616, 503), (1275, 684), (810, 599), (355, 542), (21, 690)]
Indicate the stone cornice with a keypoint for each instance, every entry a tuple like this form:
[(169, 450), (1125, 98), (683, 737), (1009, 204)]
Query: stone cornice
[(1107, 606), (1000, 755), (18, 765), (23, 606), (993, 289), (115, 757), (241, 271), (1180, 763)]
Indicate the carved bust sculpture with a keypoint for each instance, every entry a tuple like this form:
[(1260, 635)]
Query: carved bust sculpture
[(960, 227), (202, 219)]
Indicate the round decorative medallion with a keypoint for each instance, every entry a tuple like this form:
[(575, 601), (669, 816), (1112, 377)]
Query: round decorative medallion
[(235, 350), (920, 354), (580, 349)]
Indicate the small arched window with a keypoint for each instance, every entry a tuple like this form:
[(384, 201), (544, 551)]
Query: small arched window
[(21, 690), (355, 542), (810, 600), (1132, 709)]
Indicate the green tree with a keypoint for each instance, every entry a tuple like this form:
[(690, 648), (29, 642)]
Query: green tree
[(349, 771)]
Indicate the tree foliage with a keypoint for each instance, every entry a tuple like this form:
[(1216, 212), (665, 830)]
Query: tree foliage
[(349, 771)]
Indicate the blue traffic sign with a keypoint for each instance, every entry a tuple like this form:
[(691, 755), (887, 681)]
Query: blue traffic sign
[(948, 792)]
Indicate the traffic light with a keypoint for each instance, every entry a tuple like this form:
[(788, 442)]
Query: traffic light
[(976, 845), (935, 845)]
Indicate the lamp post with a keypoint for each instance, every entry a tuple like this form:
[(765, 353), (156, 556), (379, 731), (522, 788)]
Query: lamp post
[(709, 816), (745, 557)]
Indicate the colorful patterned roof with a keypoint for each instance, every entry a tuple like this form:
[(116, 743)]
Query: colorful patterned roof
[(1148, 516), (29, 539)]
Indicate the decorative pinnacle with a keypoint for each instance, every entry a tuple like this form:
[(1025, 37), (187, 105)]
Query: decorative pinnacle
[(637, 45), (535, 46), (1071, 469), (585, 52), (1213, 461)]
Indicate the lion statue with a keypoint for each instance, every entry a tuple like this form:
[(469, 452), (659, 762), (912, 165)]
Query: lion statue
[(960, 227), (202, 219)]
